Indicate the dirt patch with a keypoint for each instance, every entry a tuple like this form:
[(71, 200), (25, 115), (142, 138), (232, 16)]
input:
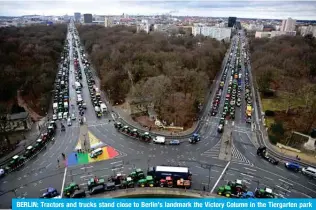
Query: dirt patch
[(145, 121), (22, 103)]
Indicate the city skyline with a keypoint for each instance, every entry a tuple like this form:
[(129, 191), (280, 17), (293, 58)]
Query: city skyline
[(300, 10)]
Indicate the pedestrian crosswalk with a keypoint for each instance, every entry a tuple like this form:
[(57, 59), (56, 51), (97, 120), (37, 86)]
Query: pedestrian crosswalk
[(237, 157), (213, 152)]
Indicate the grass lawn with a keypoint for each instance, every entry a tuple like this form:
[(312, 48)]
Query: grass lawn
[(280, 103)]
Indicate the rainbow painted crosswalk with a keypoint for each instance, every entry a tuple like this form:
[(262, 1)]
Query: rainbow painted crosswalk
[(84, 158)]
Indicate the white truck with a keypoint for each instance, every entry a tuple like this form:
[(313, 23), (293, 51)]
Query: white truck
[(103, 107), (55, 107), (78, 86), (159, 140)]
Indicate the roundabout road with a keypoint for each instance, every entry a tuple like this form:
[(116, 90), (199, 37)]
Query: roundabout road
[(43, 171)]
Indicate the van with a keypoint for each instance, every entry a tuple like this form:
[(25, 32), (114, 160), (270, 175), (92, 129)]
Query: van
[(159, 140), (309, 171), (95, 153), (103, 107)]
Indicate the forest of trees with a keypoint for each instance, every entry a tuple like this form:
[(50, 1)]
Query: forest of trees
[(172, 72), (286, 66), (28, 62)]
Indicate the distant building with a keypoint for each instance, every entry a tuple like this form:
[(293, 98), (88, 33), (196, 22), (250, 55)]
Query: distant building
[(87, 18), (143, 26), (77, 16), (108, 22), (306, 30), (231, 21), (271, 34), (213, 32), (288, 25)]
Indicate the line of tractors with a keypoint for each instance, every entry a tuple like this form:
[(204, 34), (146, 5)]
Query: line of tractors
[(135, 179), (238, 189), (134, 133)]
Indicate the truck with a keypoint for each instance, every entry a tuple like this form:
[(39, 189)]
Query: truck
[(175, 172), (262, 152), (78, 86), (55, 107)]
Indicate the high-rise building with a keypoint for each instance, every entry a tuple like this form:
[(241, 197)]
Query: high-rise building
[(143, 26), (77, 16), (288, 25), (108, 22), (231, 21), (213, 32), (87, 18)]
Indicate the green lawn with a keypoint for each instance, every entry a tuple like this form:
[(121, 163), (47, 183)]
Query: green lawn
[(280, 103)]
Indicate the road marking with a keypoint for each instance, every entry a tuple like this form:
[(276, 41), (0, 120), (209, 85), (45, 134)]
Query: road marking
[(286, 182), (48, 165), (246, 175), (43, 189), (117, 162), (86, 176), (230, 174), (199, 167), (250, 169), (115, 169), (235, 169), (36, 160), (123, 145), (82, 184), (267, 178), (283, 188), (66, 148), (252, 154), (45, 154), (131, 149), (220, 177), (62, 187), (312, 184), (295, 175), (280, 168), (214, 170)]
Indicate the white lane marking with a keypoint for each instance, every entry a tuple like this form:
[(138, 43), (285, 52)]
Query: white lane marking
[(287, 179), (250, 169), (220, 177), (285, 182), (283, 188), (280, 168), (117, 162), (214, 170), (252, 154), (115, 169), (246, 175), (295, 175), (199, 167), (312, 184), (235, 169), (230, 174), (45, 154), (66, 148), (36, 160), (52, 155), (62, 187), (268, 178), (48, 165), (86, 176), (123, 145), (42, 162), (43, 189)]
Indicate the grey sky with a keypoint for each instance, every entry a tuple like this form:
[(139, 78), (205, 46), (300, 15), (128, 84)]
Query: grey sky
[(256, 9)]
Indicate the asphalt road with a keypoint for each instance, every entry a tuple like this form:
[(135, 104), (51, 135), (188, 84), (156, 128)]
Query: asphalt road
[(43, 171)]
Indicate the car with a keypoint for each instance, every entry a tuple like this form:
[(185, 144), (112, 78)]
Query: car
[(220, 128), (309, 171), (95, 153), (55, 117), (73, 116), (292, 166), (50, 193), (69, 123), (174, 142)]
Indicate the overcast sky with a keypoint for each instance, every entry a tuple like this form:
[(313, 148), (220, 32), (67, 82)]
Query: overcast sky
[(303, 10)]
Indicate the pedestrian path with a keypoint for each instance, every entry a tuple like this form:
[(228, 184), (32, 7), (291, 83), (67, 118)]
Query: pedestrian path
[(237, 157), (213, 152), (94, 141), (84, 158)]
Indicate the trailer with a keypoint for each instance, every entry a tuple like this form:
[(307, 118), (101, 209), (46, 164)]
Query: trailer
[(175, 172)]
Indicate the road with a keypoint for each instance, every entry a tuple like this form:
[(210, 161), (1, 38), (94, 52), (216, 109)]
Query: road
[(43, 171)]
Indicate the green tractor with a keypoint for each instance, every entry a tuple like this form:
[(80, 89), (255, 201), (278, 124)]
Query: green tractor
[(142, 183), (146, 137), (128, 183), (126, 129), (264, 193), (135, 133), (225, 190), (70, 189), (150, 181), (93, 182), (118, 125), (138, 174)]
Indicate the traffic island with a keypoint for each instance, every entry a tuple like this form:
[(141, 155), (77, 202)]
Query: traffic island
[(226, 145), (156, 193)]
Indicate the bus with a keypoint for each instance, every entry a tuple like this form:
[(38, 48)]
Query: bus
[(161, 172)]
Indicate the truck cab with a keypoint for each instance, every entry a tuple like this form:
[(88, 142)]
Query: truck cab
[(159, 140)]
